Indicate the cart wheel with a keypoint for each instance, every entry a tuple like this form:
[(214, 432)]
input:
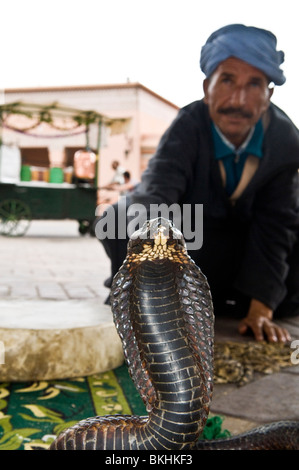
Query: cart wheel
[(15, 217), (84, 226)]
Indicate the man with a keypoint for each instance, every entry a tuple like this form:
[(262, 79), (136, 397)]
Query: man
[(118, 177), (238, 155)]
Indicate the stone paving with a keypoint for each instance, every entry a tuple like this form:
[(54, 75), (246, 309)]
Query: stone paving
[(268, 398), (52, 262)]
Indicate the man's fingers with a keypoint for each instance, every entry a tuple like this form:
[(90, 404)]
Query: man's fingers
[(265, 329), (271, 332), (242, 328), (283, 336), (255, 327), (258, 332)]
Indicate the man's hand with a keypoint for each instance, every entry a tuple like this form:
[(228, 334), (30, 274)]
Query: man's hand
[(259, 320)]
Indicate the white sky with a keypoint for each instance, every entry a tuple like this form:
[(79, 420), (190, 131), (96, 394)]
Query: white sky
[(154, 42)]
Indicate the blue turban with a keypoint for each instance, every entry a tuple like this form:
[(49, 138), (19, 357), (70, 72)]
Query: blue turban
[(255, 46)]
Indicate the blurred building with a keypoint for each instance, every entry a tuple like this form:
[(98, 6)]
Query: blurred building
[(149, 113)]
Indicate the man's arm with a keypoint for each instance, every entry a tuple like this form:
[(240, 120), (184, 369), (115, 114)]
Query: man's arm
[(264, 269), (170, 171)]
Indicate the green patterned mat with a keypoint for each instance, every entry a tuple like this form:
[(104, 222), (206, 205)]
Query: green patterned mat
[(32, 414)]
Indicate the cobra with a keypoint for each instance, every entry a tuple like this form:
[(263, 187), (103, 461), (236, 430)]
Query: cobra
[(163, 313)]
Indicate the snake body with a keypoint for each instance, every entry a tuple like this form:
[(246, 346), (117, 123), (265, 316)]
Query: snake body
[(163, 313)]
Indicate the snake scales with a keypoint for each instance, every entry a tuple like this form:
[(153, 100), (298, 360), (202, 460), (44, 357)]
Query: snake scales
[(163, 313)]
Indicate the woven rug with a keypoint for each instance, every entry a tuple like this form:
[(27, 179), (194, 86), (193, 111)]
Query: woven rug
[(32, 414)]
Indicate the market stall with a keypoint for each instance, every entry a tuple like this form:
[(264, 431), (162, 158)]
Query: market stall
[(66, 191)]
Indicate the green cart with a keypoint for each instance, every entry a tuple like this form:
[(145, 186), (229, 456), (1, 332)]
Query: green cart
[(23, 202), (27, 200)]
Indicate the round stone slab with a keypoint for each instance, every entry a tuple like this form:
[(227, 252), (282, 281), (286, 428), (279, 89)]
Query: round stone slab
[(45, 340)]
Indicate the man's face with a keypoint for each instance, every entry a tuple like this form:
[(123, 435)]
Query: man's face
[(237, 95)]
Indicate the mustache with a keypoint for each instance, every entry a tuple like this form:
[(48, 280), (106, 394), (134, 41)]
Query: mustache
[(237, 112)]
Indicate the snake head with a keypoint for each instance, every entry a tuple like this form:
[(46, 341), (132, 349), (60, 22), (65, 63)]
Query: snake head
[(157, 239)]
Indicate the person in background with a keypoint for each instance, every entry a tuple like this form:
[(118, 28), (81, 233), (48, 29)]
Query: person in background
[(237, 154), (119, 171), (128, 185), (117, 180), (118, 177)]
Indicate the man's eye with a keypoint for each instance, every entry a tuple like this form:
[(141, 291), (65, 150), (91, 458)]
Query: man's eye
[(226, 80), (255, 84)]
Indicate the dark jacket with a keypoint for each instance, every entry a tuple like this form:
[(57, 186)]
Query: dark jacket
[(266, 216)]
